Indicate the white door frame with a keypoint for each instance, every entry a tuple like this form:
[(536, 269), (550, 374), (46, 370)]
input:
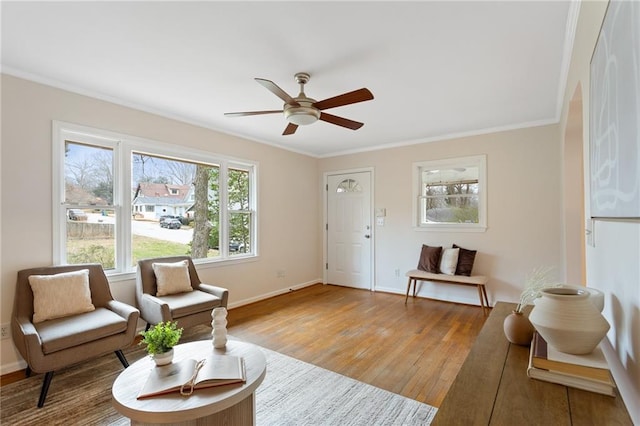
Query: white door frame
[(325, 248)]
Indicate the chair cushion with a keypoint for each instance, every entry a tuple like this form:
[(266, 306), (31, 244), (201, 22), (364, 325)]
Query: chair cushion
[(172, 278), (190, 303), (60, 295), (64, 333)]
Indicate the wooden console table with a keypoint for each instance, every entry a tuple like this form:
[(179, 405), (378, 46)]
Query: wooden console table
[(492, 388)]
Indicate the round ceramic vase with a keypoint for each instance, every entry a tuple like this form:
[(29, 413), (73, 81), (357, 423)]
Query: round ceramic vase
[(568, 320), (518, 329), (163, 358)]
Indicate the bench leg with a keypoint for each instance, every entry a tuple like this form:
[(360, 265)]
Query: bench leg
[(484, 312), (486, 299), (415, 285)]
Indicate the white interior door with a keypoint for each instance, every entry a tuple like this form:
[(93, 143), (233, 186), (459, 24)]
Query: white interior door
[(349, 229)]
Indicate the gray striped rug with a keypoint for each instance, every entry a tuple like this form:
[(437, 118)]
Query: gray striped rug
[(293, 393)]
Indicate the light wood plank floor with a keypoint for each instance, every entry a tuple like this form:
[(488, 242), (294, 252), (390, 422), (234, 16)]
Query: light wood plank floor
[(414, 350)]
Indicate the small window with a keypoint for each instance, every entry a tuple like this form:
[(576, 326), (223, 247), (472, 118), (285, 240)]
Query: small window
[(349, 185), (450, 194)]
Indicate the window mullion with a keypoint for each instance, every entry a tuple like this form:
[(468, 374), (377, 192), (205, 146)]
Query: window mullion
[(224, 209)]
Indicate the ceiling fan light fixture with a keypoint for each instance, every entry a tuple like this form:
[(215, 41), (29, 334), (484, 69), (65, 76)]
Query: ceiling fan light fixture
[(301, 115)]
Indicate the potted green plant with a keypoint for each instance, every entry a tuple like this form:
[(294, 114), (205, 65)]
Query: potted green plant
[(160, 340)]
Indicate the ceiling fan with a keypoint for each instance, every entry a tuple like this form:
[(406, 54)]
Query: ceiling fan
[(302, 110)]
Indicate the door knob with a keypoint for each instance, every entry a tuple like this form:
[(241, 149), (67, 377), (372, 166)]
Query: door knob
[(367, 236)]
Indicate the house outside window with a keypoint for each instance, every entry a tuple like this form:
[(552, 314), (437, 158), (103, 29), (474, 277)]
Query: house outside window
[(450, 194), (119, 199)]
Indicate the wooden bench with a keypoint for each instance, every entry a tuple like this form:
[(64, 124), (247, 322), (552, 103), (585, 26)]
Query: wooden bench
[(478, 281)]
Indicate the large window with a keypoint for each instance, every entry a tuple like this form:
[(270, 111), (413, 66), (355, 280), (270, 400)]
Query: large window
[(450, 194), (119, 199)]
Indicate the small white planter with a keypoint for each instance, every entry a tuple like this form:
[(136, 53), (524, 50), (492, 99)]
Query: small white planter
[(163, 358)]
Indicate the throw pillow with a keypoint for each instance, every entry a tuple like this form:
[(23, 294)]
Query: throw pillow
[(172, 278), (465, 261), (60, 295), (449, 261), (430, 259)]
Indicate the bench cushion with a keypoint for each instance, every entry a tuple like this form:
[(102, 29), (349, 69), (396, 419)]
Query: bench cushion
[(460, 279)]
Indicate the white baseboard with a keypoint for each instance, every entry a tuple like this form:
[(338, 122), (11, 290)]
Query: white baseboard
[(273, 293), (425, 295), (13, 366)]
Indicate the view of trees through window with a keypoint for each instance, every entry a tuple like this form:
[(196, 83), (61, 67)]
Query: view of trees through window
[(450, 195), (175, 207)]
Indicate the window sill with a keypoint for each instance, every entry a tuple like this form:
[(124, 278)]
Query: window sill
[(114, 277), (450, 228)]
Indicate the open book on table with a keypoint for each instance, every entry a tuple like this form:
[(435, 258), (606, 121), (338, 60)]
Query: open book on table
[(189, 374)]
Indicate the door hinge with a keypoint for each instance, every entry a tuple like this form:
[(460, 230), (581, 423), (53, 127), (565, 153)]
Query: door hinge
[(326, 187), (326, 266), (326, 226)]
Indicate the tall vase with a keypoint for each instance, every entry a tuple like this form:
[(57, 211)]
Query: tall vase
[(568, 320), (219, 325), (518, 328)]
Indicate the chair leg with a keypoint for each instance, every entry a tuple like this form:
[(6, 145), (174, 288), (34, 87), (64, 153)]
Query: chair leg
[(147, 327), (27, 371), (45, 388), (122, 359)]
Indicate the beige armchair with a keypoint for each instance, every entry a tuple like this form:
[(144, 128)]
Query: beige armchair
[(187, 306), (49, 344)]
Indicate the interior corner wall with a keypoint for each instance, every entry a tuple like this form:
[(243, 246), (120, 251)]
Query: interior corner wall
[(524, 211), (613, 252), (287, 199)]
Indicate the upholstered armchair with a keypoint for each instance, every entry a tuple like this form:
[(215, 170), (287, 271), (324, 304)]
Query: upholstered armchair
[(63, 315), (169, 289)]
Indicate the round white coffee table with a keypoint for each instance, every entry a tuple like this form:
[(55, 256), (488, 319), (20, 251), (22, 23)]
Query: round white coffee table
[(223, 405)]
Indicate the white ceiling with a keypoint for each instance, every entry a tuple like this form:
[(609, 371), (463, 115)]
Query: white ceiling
[(436, 69)]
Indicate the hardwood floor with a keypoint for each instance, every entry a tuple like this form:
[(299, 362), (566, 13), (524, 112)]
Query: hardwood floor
[(414, 350)]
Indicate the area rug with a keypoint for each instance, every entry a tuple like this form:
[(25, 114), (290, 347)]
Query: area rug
[(293, 393)]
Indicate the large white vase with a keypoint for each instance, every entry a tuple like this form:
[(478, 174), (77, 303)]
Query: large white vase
[(568, 320)]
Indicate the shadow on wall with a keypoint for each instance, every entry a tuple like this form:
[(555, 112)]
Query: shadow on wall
[(630, 361)]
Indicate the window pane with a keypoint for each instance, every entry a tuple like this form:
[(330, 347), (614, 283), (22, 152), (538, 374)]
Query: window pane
[(88, 175), (450, 209), (174, 206), (349, 185), (239, 233), (91, 236), (238, 190)]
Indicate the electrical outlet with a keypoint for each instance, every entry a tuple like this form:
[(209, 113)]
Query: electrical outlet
[(6, 331), (397, 273)]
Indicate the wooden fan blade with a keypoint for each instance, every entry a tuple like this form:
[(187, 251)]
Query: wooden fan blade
[(290, 129), (340, 121), (276, 90), (243, 114), (356, 96)]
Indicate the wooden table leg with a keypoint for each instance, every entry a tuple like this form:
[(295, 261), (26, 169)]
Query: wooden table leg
[(484, 291), (484, 312)]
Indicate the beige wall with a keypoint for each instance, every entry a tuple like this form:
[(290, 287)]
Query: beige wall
[(612, 255), (524, 210), (289, 207)]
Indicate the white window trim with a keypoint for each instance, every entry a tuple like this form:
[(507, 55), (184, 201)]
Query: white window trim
[(124, 146), (479, 161)]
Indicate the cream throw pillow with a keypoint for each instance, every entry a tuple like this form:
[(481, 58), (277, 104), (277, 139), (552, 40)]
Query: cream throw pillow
[(172, 278), (449, 261), (60, 295)]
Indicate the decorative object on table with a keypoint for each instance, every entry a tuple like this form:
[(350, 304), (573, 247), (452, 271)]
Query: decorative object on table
[(189, 374), (160, 340), (219, 325), (517, 327), (568, 320), (595, 296), (591, 366), (588, 372)]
